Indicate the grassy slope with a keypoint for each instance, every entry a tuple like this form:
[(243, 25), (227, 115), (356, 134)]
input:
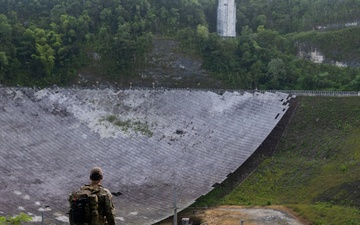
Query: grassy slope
[(316, 167)]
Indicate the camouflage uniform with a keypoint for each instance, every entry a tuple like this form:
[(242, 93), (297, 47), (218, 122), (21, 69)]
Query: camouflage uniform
[(106, 207), (108, 216)]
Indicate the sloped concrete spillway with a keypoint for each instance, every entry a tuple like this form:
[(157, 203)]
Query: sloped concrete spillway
[(148, 143)]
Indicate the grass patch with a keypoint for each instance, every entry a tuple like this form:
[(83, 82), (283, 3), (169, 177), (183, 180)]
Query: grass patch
[(328, 214), (211, 199), (125, 126)]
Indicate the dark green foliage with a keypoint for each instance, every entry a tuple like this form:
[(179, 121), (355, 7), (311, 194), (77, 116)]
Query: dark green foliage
[(296, 15), (267, 60), (44, 42)]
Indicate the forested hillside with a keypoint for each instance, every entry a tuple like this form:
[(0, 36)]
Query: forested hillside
[(45, 42)]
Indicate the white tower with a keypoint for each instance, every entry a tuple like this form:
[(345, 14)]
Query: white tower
[(226, 18)]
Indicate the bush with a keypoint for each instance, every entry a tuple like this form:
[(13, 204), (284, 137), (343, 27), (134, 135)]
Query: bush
[(17, 220)]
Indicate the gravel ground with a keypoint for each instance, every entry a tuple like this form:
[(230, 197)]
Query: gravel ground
[(233, 215)]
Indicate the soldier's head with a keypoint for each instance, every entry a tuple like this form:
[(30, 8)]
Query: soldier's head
[(96, 174)]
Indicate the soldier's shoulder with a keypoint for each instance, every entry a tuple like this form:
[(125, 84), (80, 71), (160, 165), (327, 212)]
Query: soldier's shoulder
[(105, 191)]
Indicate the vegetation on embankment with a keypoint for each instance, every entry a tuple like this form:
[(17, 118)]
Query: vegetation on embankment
[(315, 168), (331, 43)]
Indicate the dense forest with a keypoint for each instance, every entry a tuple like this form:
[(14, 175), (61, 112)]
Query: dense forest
[(45, 42)]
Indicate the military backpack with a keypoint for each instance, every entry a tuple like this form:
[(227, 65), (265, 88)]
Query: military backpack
[(84, 206)]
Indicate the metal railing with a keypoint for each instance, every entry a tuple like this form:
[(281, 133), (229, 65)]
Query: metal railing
[(215, 90)]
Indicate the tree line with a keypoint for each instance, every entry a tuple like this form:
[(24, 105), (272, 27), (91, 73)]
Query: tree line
[(44, 42)]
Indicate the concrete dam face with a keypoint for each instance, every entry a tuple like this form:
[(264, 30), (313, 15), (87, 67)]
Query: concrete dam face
[(148, 143)]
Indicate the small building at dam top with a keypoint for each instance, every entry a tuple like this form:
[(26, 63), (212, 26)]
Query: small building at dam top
[(148, 143)]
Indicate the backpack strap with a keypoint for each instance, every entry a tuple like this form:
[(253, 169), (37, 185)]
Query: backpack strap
[(93, 190)]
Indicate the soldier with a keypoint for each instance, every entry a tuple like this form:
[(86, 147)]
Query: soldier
[(102, 210)]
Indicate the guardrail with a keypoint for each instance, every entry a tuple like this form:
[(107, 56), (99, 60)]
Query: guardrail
[(319, 93), (290, 92), (215, 90)]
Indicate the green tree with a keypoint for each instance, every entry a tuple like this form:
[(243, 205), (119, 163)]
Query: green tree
[(355, 84), (3, 64), (27, 47), (17, 220), (5, 28), (260, 20), (3, 60), (202, 32), (277, 73), (45, 54)]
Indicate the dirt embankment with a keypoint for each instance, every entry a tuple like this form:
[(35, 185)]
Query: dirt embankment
[(166, 66)]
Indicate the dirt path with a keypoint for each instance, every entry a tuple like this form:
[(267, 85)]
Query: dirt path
[(239, 215), (233, 215)]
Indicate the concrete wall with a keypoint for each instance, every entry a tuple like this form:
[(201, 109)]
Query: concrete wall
[(148, 142)]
